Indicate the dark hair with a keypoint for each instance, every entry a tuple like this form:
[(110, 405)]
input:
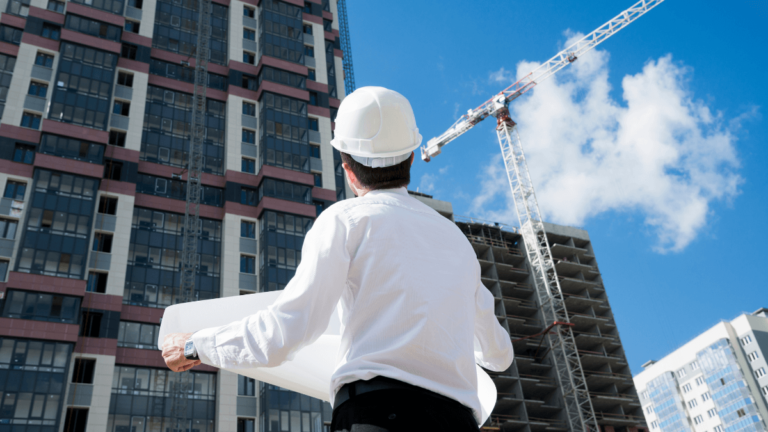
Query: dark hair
[(392, 177)]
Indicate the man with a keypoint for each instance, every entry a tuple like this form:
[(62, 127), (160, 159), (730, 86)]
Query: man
[(407, 283)]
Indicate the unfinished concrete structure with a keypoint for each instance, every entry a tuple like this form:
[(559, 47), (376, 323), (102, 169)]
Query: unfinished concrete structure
[(529, 395)]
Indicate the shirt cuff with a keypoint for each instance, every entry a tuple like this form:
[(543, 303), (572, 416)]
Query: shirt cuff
[(205, 344)]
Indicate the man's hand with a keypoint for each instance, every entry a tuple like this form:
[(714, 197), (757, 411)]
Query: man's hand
[(173, 352)]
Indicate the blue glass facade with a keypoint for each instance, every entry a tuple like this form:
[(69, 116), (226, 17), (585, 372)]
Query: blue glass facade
[(668, 405), (729, 391)]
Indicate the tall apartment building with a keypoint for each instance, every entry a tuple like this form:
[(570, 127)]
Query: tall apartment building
[(529, 396), (95, 111), (717, 382)]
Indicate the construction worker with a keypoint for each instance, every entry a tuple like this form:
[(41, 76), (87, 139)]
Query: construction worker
[(415, 315)]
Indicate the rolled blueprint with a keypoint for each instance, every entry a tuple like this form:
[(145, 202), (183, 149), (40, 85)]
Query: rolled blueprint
[(309, 371)]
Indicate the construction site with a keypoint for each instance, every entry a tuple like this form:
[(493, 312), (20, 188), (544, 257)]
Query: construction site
[(160, 152)]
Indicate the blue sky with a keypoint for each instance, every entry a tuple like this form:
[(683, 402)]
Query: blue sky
[(655, 143)]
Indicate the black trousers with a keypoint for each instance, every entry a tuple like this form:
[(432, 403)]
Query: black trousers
[(402, 410)]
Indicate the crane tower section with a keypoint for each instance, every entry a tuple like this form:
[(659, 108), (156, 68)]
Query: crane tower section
[(346, 47)]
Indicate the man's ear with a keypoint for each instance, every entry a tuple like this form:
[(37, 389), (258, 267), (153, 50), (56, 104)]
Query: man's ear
[(350, 174), (413, 158)]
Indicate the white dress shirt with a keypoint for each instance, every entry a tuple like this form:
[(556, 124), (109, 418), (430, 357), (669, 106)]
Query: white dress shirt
[(411, 303)]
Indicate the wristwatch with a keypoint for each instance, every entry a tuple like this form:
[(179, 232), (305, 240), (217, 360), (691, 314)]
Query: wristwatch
[(190, 352)]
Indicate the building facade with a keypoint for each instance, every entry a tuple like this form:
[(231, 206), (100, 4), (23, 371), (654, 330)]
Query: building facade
[(95, 112), (529, 395), (717, 382)]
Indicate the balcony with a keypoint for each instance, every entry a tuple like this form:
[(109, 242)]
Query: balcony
[(316, 164), (309, 39), (41, 72), (123, 92), (248, 149), (249, 121), (100, 260), (598, 379), (309, 61), (249, 45), (119, 121), (35, 103), (132, 12), (620, 419), (314, 137), (12, 208)]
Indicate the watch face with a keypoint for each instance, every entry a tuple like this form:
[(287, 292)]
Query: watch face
[(189, 348)]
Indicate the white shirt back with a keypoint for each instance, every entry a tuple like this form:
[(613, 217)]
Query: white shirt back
[(407, 283)]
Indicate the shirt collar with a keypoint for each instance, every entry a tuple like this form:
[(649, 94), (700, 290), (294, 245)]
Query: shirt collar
[(398, 191)]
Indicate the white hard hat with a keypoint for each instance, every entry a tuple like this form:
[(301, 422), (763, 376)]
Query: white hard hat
[(376, 127)]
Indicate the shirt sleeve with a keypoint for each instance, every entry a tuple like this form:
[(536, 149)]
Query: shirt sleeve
[(298, 317), (495, 346)]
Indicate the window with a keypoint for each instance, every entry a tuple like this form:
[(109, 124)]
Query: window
[(24, 153), (248, 57), (76, 420), (3, 270), (686, 388), (94, 28), (314, 151), (746, 340), (692, 403), (753, 356), (56, 6), (307, 7), (314, 124), (311, 74), (247, 264), (38, 89), (246, 425), (249, 109), (327, 25), (248, 229), (764, 389), (122, 108), (15, 190), (694, 365), (90, 326), (249, 136), (309, 51), (113, 170), (249, 34), (711, 413), (117, 138), (249, 12), (29, 120), (760, 372), (8, 229), (249, 83), (249, 196), (698, 419), (107, 205), (51, 31), (654, 424), (319, 207), (125, 79), (699, 381), (131, 26), (102, 242), (718, 429), (10, 34), (246, 386), (741, 412), (649, 409), (248, 166), (705, 397), (138, 4), (84, 369), (97, 282), (681, 373), (41, 307), (128, 51), (44, 60), (138, 335), (318, 180), (308, 29)]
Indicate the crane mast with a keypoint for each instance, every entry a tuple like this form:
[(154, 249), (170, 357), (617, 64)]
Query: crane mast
[(570, 374), (346, 47), (181, 386)]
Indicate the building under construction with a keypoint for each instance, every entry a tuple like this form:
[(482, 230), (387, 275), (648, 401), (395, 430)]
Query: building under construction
[(529, 396)]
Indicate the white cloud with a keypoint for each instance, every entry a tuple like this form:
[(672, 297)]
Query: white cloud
[(660, 153), (427, 183), (500, 76)]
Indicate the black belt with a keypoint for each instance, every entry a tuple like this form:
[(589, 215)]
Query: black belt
[(350, 390)]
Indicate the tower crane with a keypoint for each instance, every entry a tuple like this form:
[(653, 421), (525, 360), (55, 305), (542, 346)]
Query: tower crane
[(180, 388), (579, 412)]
